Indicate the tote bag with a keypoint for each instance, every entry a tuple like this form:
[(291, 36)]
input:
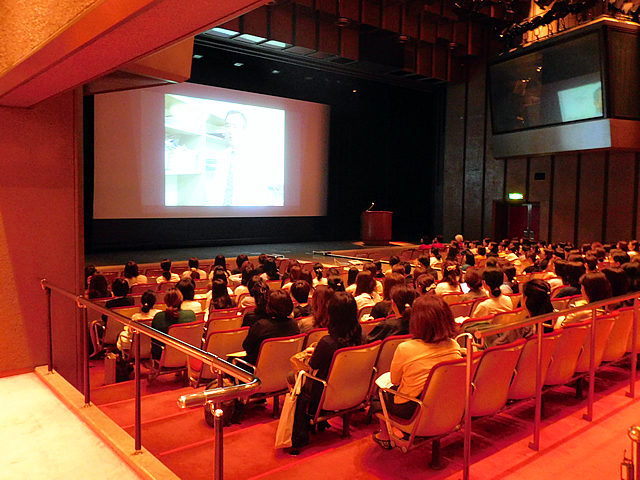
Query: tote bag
[(285, 425)]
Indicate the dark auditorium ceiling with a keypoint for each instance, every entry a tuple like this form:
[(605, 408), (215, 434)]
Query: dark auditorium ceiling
[(421, 42)]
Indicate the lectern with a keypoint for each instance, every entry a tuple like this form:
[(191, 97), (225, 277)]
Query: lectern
[(376, 227)]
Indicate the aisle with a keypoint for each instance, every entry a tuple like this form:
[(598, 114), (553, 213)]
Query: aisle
[(41, 438)]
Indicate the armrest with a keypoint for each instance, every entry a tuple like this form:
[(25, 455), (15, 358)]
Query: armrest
[(314, 378), (401, 395), (235, 361)]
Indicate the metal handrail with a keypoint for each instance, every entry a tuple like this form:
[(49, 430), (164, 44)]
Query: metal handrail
[(212, 398)]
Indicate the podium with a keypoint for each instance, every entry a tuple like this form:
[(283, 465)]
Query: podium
[(376, 227)]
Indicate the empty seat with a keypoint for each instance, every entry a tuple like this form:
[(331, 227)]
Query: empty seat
[(619, 337), (173, 360), (565, 356), (221, 344)]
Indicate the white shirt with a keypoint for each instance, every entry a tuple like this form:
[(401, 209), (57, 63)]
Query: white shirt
[(364, 300), (249, 185), (193, 305), (443, 288), (492, 306), (136, 280), (174, 278), (187, 273)]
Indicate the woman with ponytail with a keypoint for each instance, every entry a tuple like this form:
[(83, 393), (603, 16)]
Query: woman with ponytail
[(402, 297), (497, 302), (450, 279), (173, 314), (167, 276), (147, 312)]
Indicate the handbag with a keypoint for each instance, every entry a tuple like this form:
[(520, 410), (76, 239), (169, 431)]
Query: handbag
[(287, 417), (300, 360)]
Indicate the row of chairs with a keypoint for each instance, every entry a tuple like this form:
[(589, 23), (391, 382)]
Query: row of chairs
[(508, 373)]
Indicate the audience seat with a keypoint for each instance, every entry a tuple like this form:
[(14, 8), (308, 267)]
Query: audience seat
[(173, 360)]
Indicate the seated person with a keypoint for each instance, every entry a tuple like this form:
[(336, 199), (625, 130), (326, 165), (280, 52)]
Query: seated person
[(344, 331), (318, 270), (240, 259), (365, 289), (120, 289), (595, 287), (450, 279), (433, 330), (300, 292), (425, 284), (270, 270), (335, 283), (167, 276), (319, 303), (474, 282), (132, 274), (510, 284), (187, 288), (382, 309), (571, 274), (194, 266), (147, 312), (248, 271), (295, 274), (402, 297), (98, 287), (497, 302), (259, 293), (278, 324), (172, 314), (220, 299), (220, 262)]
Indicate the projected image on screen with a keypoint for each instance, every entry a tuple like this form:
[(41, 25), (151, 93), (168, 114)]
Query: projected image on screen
[(581, 102), (223, 154)]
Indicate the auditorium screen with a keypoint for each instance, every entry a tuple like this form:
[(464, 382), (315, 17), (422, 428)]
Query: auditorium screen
[(548, 85), (197, 151)]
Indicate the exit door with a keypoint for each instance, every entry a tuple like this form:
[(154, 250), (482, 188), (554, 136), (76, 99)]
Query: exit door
[(516, 220)]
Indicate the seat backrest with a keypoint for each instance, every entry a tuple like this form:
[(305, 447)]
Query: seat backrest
[(387, 349), (604, 325), (506, 318), (524, 383), (315, 335), (222, 343), (630, 341), (450, 298), (619, 337), (523, 278), (274, 284), (284, 264), (560, 303), (556, 290), (565, 356), (145, 342), (190, 333), (515, 299), (273, 362), (350, 376), (444, 398), (367, 327), (225, 313), (163, 287), (462, 309), (153, 272), (126, 311), (140, 288), (111, 331), (493, 378), (220, 324), (364, 311), (477, 302)]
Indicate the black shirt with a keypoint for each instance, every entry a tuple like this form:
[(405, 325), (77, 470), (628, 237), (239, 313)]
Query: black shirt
[(263, 330)]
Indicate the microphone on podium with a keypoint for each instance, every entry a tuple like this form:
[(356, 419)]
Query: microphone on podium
[(368, 209)]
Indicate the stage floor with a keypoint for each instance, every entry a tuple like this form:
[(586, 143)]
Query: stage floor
[(300, 251)]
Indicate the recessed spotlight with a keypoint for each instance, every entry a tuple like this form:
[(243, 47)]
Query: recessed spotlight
[(275, 71), (238, 64), (197, 57), (355, 91)]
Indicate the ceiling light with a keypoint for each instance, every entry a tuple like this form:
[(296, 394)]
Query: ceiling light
[(238, 64)]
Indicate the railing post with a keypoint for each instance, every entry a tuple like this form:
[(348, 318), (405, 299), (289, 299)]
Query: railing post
[(49, 332), (592, 368), (85, 362), (218, 423), (138, 406), (634, 351), (467, 409), (535, 445)]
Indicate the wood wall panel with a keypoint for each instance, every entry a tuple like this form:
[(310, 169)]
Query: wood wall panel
[(620, 196), (564, 198), (453, 155), (516, 176), (539, 191), (493, 181), (474, 151), (591, 197)]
